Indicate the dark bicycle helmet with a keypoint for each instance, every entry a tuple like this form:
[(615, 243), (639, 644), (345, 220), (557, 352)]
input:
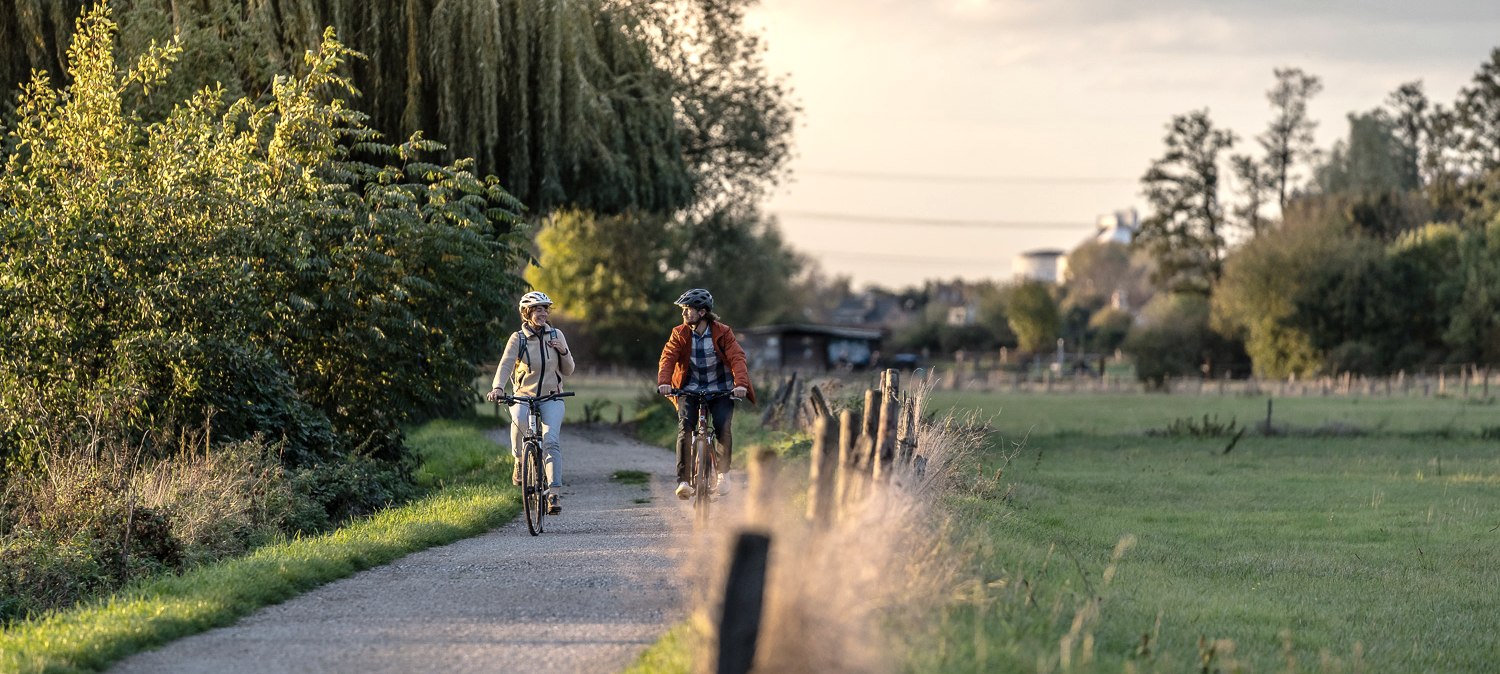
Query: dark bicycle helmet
[(697, 298)]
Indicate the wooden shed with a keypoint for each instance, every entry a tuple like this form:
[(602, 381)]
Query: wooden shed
[(804, 346)]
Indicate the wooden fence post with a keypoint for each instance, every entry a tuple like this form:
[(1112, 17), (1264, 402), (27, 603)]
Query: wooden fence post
[(906, 446), (844, 480), (868, 429), (890, 414), (824, 465), (744, 596), (761, 503)]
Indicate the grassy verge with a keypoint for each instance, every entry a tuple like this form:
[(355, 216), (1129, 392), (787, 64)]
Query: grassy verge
[(470, 498)]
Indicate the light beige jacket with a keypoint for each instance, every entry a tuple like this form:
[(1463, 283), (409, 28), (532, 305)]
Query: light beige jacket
[(531, 366)]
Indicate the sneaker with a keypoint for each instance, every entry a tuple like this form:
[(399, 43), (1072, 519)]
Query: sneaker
[(684, 491), (554, 504), (721, 484), (515, 473)]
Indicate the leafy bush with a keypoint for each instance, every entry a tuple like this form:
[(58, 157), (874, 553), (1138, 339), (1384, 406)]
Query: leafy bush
[(236, 262), (239, 267)]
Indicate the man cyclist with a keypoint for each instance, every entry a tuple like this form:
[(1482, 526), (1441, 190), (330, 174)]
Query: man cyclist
[(535, 361), (702, 355)]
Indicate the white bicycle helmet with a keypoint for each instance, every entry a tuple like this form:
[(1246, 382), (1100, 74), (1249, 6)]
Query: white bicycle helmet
[(697, 298), (535, 299)]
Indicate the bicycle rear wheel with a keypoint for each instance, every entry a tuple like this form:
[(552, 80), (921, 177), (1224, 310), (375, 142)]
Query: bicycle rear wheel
[(533, 487), (703, 478)]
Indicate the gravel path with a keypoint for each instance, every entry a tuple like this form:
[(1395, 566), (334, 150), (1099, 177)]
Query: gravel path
[(586, 596)]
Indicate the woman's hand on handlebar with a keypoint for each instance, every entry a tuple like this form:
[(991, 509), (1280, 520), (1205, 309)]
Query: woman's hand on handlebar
[(495, 396)]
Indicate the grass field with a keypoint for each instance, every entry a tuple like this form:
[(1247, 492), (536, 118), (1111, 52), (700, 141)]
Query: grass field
[(1102, 548), (607, 400), (1125, 414)]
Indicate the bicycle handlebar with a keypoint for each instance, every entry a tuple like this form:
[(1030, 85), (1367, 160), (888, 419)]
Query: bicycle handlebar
[(532, 400), (702, 395)]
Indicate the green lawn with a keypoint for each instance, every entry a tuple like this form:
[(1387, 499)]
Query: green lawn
[(1307, 553)]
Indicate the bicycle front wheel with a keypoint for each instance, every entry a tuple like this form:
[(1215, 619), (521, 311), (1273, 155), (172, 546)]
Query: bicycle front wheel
[(533, 487), (703, 477)]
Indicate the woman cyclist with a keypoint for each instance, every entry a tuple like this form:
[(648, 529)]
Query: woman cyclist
[(535, 361), (702, 355)]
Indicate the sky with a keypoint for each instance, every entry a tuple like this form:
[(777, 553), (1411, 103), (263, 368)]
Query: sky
[(939, 139)]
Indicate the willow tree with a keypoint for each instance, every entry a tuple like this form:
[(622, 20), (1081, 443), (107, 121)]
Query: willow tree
[(597, 104)]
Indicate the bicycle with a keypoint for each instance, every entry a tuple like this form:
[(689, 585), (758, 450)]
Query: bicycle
[(703, 451), (533, 475)]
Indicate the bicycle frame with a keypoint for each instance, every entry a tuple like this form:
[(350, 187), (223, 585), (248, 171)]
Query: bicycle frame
[(703, 454), (533, 473)]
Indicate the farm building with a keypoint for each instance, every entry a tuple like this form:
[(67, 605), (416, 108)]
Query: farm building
[(805, 346)]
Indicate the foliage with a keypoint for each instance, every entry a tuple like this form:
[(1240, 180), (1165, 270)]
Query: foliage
[(1033, 316), (1184, 233), (614, 277), (1172, 338), (233, 263), (605, 274), (1258, 185), (1261, 282), (1373, 160), (1471, 292), (1107, 329), (741, 258), (593, 104), (1288, 139), (1100, 270)]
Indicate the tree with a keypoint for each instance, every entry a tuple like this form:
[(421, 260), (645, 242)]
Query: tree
[(1184, 233), (1258, 185), (1477, 117), (606, 274), (1172, 338), (741, 258), (1473, 331), (1033, 316), (1101, 271), (592, 104), (1409, 111), (1289, 138), (1372, 161), (1257, 295)]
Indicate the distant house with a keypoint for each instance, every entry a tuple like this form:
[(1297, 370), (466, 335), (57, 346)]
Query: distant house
[(1047, 265), (804, 346), (872, 308), (1117, 227)]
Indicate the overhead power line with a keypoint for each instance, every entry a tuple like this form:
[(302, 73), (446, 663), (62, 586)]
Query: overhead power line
[(906, 259), (974, 179), (935, 222)]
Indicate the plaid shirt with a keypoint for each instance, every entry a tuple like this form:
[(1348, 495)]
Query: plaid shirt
[(708, 373)]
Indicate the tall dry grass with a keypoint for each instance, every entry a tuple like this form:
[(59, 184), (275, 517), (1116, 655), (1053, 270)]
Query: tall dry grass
[(97, 514), (846, 596)]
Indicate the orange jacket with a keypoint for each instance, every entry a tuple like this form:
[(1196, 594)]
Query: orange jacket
[(677, 356)]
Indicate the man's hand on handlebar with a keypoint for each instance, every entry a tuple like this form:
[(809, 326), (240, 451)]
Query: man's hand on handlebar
[(664, 389), (739, 392)]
